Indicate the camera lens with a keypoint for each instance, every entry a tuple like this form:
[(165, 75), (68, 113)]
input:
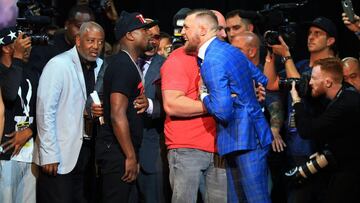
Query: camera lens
[(39, 39), (272, 37)]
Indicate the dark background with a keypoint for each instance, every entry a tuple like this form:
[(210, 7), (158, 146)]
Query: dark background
[(348, 44)]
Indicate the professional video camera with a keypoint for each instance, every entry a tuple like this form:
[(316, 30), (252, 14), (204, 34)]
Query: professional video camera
[(301, 85), (178, 22), (32, 19), (278, 24), (317, 162)]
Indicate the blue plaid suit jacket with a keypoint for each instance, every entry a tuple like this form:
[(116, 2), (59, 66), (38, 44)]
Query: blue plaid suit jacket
[(241, 124)]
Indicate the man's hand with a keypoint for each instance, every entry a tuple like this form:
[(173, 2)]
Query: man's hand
[(141, 103), (278, 143), (281, 49), (294, 94), (17, 141), (50, 169), (21, 47), (355, 26), (97, 110), (131, 170), (260, 92), (110, 10)]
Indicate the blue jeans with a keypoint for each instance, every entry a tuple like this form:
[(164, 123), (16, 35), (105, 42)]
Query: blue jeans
[(17, 182), (190, 167)]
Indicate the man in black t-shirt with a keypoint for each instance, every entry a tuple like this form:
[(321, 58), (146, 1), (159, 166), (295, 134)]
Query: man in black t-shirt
[(63, 40), (120, 137), (18, 86)]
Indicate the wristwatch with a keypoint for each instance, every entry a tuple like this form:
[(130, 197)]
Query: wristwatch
[(285, 58)]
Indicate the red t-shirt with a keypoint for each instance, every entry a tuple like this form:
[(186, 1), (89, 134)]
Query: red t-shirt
[(180, 72)]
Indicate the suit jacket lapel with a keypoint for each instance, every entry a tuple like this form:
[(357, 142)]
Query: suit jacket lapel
[(151, 72), (78, 70)]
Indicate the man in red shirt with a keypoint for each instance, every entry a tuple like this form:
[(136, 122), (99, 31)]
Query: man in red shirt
[(189, 133)]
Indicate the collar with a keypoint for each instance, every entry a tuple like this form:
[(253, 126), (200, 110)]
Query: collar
[(85, 63), (201, 53)]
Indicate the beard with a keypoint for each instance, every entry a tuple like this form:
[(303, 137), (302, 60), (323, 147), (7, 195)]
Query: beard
[(191, 48)]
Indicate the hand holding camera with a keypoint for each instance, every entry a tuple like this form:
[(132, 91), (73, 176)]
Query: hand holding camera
[(22, 46), (278, 47)]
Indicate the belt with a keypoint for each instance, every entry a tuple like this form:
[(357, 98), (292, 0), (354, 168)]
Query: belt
[(219, 162)]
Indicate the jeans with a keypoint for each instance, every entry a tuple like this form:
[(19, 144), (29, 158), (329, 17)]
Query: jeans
[(17, 182), (190, 167)]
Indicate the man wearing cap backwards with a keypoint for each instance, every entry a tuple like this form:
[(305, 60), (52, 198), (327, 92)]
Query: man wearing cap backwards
[(321, 44), (18, 86), (119, 139), (63, 146)]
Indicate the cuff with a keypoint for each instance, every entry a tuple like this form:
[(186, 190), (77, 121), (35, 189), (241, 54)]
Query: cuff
[(150, 109), (203, 95)]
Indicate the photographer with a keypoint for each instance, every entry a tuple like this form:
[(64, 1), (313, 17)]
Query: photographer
[(19, 84), (337, 127), (63, 40), (321, 44)]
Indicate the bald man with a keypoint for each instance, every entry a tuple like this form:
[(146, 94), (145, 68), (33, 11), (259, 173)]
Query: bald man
[(221, 34), (351, 71), (249, 44)]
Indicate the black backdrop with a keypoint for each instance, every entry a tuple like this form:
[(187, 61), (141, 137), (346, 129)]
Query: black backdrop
[(164, 11)]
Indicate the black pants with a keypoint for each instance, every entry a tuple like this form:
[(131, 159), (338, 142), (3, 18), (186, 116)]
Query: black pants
[(67, 188), (111, 163), (114, 189), (344, 186)]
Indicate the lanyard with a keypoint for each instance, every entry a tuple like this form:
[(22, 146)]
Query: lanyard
[(137, 67), (26, 106)]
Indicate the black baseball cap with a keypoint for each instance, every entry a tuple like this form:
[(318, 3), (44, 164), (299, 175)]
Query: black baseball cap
[(8, 35), (325, 24), (128, 22)]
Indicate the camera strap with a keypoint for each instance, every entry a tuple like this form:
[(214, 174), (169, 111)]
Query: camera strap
[(336, 97), (26, 107)]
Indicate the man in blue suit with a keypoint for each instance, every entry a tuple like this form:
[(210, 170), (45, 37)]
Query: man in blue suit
[(243, 135)]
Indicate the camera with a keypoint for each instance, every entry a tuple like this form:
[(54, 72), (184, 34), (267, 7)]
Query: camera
[(276, 23), (271, 37), (178, 22), (301, 85), (316, 163), (31, 21)]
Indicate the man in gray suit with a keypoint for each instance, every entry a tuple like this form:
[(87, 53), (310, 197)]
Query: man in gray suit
[(63, 147), (153, 183)]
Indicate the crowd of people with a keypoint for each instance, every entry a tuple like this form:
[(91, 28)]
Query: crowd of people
[(140, 121)]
